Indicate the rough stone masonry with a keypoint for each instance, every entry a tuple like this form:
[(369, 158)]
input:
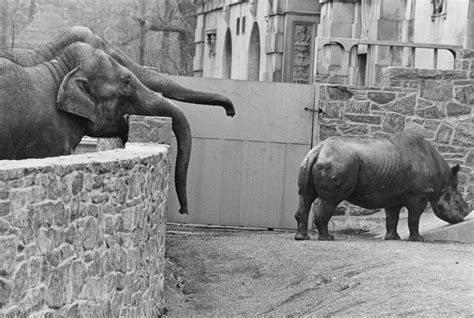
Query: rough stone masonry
[(437, 103), (84, 235)]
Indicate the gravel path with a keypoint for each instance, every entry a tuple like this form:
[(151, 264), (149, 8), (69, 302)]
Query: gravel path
[(222, 272)]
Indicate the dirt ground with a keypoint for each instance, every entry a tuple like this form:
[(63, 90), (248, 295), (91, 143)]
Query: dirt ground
[(248, 273)]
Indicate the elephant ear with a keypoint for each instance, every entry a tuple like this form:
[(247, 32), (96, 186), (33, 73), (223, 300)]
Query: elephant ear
[(74, 96)]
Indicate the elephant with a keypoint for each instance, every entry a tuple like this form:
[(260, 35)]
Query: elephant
[(154, 80), (47, 108)]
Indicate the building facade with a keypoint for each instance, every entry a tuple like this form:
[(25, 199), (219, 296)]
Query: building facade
[(339, 41)]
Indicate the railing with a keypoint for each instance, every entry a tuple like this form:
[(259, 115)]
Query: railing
[(350, 71)]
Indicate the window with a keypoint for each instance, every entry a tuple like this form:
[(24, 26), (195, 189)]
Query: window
[(439, 9), (237, 27)]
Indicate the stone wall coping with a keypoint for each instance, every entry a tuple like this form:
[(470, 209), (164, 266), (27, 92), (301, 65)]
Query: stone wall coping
[(410, 73), (373, 88), (131, 151)]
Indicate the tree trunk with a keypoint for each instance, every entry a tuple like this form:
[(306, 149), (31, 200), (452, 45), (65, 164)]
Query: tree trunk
[(4, 30), (143, 30)]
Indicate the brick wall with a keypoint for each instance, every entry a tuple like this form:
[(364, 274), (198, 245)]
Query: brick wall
[(83, 235), (439, 104)]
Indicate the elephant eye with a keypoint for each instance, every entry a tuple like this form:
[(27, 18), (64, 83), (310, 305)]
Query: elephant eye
[(127, 87), (126, 82)]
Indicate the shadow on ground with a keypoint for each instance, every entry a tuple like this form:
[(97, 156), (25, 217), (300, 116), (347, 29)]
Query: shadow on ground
[(225, 272)]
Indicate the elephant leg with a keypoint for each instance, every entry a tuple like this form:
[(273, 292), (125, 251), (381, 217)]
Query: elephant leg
[(302, 215), (322, 217), (392, 215)]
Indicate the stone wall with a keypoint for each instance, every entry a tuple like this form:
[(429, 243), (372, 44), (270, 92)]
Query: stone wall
[(83, 235), (437, 103)]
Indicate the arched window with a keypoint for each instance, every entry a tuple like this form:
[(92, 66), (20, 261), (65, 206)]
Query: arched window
[(227, 60), (254, 54)]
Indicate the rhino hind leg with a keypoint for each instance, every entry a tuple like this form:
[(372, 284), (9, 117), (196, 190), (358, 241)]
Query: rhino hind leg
[(302, 215), (392, 215), (322, 217)]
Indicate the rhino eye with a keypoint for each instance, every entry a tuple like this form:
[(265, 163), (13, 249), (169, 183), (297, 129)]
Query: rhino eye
[(447, 196)]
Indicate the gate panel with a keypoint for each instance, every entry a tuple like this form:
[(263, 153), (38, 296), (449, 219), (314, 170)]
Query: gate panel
[(243, 170)]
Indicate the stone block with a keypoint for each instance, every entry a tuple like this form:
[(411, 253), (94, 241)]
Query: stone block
[(19, 284), (431, 74), (366, 119), (431, 112), (326, 131), (399, 73), (436, 91), (48, 213), (4, 226), (454, 75), (354, 129), (405, 105), (150, 129), (339, 93), (444, 134), (78, 274), (454, 109), (381, 97), (4, 207), (464, 135), (57, 286), (5, 291), (89, 237), (333, 109), (465, 94), (358, 107), (8, 250)]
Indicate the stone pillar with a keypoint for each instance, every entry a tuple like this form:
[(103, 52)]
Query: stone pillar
[(469, 36), (388, 22), (337, 18), (465, 62), (274, 41), (199, 44)]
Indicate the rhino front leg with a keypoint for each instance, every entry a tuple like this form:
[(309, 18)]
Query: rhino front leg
[(413, 224), (415, 208), (322, 217), (301, 217), (392, 215)]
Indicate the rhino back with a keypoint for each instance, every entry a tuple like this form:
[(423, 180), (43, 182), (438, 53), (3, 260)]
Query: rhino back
[(375, 172)]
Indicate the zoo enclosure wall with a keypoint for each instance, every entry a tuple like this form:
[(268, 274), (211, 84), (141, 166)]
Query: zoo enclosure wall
[(84, 234)]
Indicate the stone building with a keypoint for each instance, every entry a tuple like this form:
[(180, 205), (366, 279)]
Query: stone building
[(337, 41)]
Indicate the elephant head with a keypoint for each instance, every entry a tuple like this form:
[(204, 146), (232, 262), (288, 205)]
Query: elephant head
[(101, 91), (148, 76)]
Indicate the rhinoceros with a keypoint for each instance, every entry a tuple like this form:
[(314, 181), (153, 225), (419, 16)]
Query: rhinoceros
[(403, 170)]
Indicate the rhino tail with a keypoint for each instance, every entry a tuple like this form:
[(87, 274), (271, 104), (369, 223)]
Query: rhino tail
[(305, 179)]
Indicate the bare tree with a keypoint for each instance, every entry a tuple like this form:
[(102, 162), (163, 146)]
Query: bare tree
[(15, 16), (158, 33)]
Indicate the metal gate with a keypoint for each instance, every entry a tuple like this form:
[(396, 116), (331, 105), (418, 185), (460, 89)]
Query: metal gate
[(243, 170)]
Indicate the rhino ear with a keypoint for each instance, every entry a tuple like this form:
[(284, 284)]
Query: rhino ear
[(74, 96), (455, 169)]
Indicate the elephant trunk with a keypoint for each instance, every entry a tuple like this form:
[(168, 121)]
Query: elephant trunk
[(156, 105), (161, 83)]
